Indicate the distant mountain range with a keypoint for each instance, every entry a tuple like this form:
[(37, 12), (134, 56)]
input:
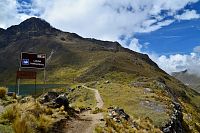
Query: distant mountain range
[(72, 59), (188, 79)]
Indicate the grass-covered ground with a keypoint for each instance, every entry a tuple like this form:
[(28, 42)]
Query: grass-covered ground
[(28, 115), (80, 97), (136, 102)]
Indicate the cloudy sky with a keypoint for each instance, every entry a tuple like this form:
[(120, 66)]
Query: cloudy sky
[(167, 30)]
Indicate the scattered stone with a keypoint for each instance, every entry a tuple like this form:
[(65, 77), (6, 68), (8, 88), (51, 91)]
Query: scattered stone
[(147, 90), (110, 107), (26, 99), (102, 120), (71, 89), (88, 108), (188, 117), (117, 114), (160, 84), (138, 84), (135, 125), (79, 86), (53, 100), (49, 96), (107, 82), (153, 105), (175, 123)]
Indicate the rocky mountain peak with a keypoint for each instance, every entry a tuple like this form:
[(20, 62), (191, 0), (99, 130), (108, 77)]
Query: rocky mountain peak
[(35, 24), (1, 31), (31, 25)]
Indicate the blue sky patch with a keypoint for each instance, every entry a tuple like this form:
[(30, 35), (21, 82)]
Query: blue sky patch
[(179, 37)]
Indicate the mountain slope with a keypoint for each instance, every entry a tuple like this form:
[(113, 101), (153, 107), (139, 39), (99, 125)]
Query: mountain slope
[(189, 79), (73, 59)]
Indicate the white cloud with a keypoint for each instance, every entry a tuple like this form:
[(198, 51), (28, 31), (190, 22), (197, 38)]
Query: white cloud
[(9, 13), (108, 20), (188, 15), (134, 45), (103, 19), (178, 62), (172, 63), (196, 49)]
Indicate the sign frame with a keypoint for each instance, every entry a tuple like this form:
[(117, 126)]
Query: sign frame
[(37, 60), (33, 54), (23, 75)]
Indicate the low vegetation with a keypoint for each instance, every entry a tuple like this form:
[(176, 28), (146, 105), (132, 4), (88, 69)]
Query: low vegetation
[(140, 126), (81, 98), (27, 117), (138, 103), (30, 117), (3, 92)]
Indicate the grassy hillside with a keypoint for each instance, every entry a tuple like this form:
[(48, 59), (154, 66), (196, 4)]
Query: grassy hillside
[(74, 60)]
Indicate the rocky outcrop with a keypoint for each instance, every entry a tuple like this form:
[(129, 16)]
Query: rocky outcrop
[(175, 123), (117, 114), (54, 100)]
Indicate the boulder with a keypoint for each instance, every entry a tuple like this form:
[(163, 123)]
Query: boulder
[(117, 113), (48, 97), (52, 95), (61, 100), (53, 100)]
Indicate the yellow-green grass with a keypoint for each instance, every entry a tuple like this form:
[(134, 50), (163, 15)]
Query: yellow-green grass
[(6, 129), (30, 117), (191, 117), (140, 126), (130, 98), (81, 97), (3, 92)]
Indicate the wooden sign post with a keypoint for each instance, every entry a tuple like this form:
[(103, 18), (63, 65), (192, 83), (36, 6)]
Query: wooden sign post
[(30, 61), (25, 75)]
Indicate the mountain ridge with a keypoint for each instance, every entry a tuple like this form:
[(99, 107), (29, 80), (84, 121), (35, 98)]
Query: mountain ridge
[(74, 60)]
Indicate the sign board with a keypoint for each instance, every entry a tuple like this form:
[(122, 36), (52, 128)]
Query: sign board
[(26, 75), (33, 60)]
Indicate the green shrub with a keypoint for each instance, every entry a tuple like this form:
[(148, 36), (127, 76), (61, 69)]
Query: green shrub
[(22, 125), (10, 113), (6, 129), (3, 92), (44, 123)]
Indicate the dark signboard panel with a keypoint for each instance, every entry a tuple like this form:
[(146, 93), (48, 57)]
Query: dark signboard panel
[(33, 60), (26, 75)]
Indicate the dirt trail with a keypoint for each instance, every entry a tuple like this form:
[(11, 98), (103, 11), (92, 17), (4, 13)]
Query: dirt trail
[(87, 121), (97, 96)]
